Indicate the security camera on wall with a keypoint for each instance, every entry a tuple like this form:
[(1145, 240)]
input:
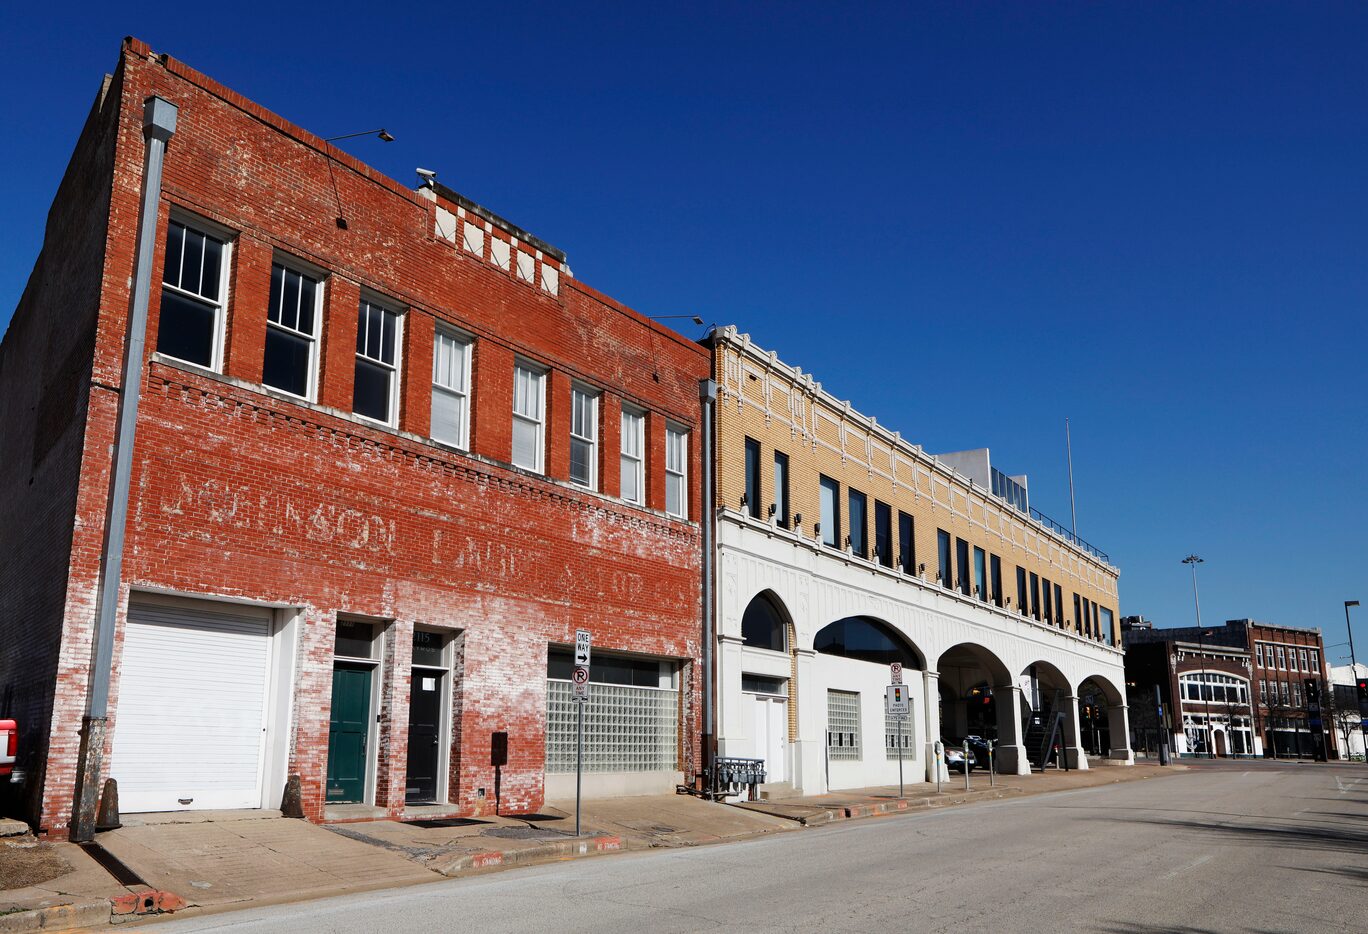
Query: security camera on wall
[(427, 175)]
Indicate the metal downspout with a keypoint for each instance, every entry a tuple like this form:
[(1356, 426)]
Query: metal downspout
[(707, 394), (159, 125)]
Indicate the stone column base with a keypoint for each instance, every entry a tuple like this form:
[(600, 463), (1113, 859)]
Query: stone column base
[(1011, 760), (1076, 758)]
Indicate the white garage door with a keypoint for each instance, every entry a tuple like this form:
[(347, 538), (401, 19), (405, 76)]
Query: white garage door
[(190, 726)]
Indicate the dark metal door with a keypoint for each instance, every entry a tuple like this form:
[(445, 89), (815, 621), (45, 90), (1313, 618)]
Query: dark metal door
[(425, 732)]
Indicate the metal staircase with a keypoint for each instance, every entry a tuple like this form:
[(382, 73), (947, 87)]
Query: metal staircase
[(1044, 730)]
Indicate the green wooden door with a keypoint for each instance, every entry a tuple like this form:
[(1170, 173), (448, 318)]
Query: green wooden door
[(347, 732)]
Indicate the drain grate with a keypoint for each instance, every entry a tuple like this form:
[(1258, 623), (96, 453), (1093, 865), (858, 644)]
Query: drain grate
[(112, 864)]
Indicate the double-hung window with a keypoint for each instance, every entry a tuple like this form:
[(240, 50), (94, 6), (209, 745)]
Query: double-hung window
[(1258, 654), (375, 393), (193, 285), (584, 437), (1301, 656), (633, 447), (529, 402), (291, 355), (450, 389), (676, 471)]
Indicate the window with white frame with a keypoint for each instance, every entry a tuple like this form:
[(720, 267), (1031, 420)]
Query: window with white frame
[(1286, 696), (450, 389), (194, 281), (292, 317), (676, 467), (584, 437), (1301, 655), (1315, 660), (633, 449), (1282, 659), (375, 392), (1258, 653), (529, 403), (843, 725)]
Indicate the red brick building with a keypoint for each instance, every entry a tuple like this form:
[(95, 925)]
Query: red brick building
[(313, 583)]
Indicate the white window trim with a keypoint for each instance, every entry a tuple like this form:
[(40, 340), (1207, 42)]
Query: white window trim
[(638, 460), (466, 395), (320, 279), (682, 473), (392, 417), (226, 237), (539, 422), (592, 439)]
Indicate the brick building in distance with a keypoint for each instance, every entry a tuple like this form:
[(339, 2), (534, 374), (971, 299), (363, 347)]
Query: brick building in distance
[(386, 464)]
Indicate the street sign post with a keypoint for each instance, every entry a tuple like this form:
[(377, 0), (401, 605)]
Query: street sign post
[(583, 641), (898, 704)]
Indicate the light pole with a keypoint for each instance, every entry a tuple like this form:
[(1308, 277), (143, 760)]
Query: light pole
[(1353, 669), (1192, 561)]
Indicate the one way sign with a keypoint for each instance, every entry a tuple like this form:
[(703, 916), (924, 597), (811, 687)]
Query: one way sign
[(582, 642)]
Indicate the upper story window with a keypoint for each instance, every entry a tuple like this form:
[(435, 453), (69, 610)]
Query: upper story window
[(752, 492), (584, 437), (980, 574), (375, 393), (883, 534), (945, 573), (291, 355), (1315, 661), (859, 522), (907, 546), (830, 492), (1282, 659), (194, 280), (781, 489), (529, 402), (633, 447), (1258, 653), (1301, 655), (676, 471), (995, 576), (450, 390)]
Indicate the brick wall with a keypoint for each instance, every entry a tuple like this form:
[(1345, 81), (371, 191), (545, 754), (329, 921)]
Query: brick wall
[(246, 494)]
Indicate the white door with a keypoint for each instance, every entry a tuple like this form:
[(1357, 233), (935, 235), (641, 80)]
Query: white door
[(769, 734), (190, 726)]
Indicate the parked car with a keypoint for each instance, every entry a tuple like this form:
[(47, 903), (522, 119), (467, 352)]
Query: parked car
[(954, 757), (9, 745), (978, 749)]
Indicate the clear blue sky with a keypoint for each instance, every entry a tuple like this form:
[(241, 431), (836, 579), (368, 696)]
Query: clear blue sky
[(972, 220)]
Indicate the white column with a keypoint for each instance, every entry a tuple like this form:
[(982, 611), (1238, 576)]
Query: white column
[(1009, 754), (732, 730), (1073, 742), (807, 753), (1118, 725), (931, 701)]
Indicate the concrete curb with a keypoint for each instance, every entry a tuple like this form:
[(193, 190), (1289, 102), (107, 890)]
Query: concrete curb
[(899, 805), (71, 917), (559, 849)]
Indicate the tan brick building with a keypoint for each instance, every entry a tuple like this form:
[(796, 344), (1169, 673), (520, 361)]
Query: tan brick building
[(844, 547)]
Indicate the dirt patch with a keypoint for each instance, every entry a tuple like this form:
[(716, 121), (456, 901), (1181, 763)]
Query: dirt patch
[(28, 863)]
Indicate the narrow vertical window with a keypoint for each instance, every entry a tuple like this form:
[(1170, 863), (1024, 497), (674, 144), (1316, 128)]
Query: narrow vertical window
[(190, 327), (1023, 600), (962, 566), (859, 522), (375, 393), (1078, 613), (995, 575), (907, 547), (1059, 606), (752, 491), (292, 316), (1258, 653), (676, 471), (980, 574), (1035, 595), (831, 512), (450, 390), (633, 431), (883, 533), (781, 489), (1048, 599), (529, 402), (944, 572), (584, 437)]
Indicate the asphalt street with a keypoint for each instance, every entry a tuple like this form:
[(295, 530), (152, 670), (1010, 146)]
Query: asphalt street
[(1262, 847)]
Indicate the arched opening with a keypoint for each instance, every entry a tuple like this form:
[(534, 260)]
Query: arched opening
[(1103, 725), (764, 625), (866, 639), (1046, 710), (970, 676)]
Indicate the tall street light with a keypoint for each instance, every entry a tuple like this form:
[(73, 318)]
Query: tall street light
[(1353, 668), (1192, 561)]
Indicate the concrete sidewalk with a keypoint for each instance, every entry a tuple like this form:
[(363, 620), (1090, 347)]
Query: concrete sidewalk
[(812, 810), (78, 898)]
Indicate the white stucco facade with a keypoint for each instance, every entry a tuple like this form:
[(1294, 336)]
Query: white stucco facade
[(816, 586)]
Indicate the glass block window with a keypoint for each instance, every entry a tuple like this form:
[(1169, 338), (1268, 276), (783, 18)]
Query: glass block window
[(450, 390), (375, 393), (626, 729), (676, 461), (292, 317), (633, 448), (583, 437), (891, 736), (843, 725), (529, 393), (191, 321)]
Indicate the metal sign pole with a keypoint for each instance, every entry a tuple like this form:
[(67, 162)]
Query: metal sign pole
[(579, 765), (966, 765), (900, 758), (992, 767)]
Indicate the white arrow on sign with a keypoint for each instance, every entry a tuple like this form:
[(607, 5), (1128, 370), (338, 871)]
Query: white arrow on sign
[(582, 643)]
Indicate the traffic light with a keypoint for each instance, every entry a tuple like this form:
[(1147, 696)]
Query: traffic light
[(1362, 690)]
